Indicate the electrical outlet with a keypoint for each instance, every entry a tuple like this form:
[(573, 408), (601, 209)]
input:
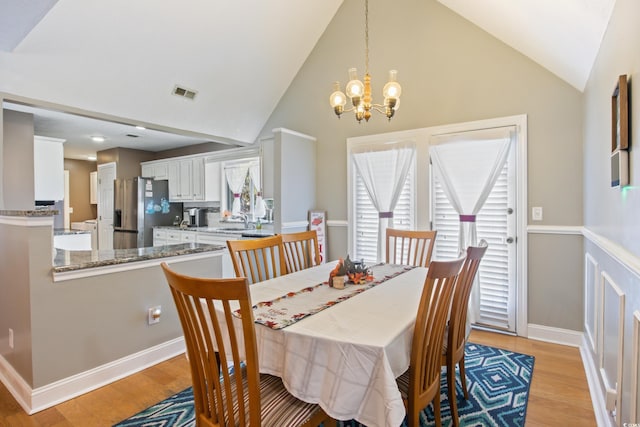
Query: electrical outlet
[(536, 213), (154, 314), (10, 338)]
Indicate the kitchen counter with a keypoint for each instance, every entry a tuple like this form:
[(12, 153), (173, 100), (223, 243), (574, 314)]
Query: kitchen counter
[(68, 232), (65, 261), (29, 213), (226, 231)]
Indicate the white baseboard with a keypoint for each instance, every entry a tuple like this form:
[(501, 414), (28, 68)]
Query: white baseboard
[(35, 400), (595, 387), (555, 335)]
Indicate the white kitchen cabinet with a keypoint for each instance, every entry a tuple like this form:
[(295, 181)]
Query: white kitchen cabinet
[(197, 178), (186, 179), (159, 237), (155, 170), (188, 237), (212, 181), (168, 236), (216, 239), (93, 188), (48, 166)]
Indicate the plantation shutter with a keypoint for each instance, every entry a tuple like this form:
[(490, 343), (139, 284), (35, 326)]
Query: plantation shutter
[(366, 217), (496, 294), (383, 169), (493, 298)]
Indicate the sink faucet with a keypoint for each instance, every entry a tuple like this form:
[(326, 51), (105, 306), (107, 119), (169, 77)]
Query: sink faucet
[(244, 217)]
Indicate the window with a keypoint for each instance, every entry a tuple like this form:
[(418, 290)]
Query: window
[(365, 216), (239, 178)]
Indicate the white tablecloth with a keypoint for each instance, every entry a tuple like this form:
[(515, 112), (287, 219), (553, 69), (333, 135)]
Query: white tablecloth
[(346, 357)]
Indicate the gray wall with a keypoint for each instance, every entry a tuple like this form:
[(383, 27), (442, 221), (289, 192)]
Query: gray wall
[(611, 214), (451, 71), (17, 168)]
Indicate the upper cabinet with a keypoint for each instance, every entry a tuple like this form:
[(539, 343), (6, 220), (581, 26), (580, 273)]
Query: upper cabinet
[(185, 175), (155, 170), (48, 165), (212, 180)]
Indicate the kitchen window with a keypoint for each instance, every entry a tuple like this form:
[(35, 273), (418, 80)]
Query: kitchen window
[(241, 185)]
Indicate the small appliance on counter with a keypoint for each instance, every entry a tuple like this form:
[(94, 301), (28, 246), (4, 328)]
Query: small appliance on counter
[(195, 217)]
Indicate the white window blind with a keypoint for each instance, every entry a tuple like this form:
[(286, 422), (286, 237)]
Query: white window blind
[(366, 216), (497, 297)]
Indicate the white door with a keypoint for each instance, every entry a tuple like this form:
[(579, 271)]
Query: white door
[(106, 176), (495, 306)]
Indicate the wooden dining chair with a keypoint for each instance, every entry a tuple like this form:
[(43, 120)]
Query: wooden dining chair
[(258, 259), (244, 396), (410, 247), (456, 331), (420, 384), (301, 250)]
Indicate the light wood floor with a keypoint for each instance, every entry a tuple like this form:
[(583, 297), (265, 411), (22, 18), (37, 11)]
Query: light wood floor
[(559, 393)]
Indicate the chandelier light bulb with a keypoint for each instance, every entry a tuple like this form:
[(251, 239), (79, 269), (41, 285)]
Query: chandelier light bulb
[(354, 88), (392, 89), (337, 98)]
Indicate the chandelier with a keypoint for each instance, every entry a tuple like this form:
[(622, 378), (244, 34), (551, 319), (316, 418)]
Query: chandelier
[(360, 94)]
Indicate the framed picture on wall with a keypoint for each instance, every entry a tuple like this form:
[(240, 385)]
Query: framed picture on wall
[(620, 115), (317, 222)]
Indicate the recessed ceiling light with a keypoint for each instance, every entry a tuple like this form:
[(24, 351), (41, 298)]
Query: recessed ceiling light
[(97, 138), (141, 127)]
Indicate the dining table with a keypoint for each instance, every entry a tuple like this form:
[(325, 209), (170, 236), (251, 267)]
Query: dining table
[(340, 348)]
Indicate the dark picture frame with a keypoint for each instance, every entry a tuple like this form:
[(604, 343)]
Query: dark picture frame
[(620, 115)]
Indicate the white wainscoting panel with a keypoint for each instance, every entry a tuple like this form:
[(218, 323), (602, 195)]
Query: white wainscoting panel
[(611, 345), (591, 297), (635, 372)]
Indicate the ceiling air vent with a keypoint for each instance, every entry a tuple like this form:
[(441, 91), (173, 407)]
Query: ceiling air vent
[(130, 135), (184, 92)]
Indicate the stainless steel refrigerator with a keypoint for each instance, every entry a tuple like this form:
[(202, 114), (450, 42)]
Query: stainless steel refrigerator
[(139, 205)]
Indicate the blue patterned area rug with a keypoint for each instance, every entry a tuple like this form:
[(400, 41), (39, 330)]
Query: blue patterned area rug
[(498, 382)]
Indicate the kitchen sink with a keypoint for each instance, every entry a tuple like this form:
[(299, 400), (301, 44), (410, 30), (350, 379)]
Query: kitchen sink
[(230, 229)]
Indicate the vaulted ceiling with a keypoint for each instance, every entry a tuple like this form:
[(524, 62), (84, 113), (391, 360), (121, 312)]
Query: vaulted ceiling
[(124, 58)]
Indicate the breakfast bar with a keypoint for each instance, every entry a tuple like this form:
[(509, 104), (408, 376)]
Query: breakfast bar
[(80, 319)]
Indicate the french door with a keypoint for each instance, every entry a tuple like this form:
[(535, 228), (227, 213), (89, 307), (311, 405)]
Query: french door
[(494, 304)]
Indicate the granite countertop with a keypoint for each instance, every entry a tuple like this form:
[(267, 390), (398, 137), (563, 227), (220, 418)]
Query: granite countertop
[(29, 213), (66, 231), (77, 260), (236, 231)]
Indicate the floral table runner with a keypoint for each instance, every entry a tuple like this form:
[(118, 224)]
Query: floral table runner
[(288, 309)]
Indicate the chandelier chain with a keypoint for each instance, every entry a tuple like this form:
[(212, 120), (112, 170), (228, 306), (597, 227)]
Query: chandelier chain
[(366, 36)]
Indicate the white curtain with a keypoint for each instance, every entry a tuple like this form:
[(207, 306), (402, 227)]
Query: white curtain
[(236, 175), (259, 209), (384, 170), (467, 166)]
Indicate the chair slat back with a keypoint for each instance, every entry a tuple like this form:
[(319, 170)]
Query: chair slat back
[(207, 335), (410, 247), (301, 250), (258, 259), (459, 307), (426, 349)]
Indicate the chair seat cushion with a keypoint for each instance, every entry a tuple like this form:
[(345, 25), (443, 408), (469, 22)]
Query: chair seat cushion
[(403, 384), (278, 406)]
